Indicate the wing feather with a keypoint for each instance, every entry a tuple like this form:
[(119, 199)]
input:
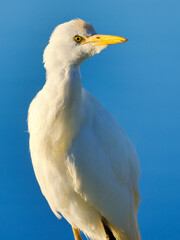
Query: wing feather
[(105, 167)]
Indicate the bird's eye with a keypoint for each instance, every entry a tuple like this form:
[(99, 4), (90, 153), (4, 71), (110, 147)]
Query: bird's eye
[(78, 38)]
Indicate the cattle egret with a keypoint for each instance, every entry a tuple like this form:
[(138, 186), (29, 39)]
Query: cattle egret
[(84, 162)]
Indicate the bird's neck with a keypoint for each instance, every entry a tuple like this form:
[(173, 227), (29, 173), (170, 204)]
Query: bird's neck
[(64, 87), (63, 95)]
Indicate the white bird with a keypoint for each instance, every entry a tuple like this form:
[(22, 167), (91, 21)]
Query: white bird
[(84, 162)]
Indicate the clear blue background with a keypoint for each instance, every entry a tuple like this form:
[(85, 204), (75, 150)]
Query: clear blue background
[(138, 82)]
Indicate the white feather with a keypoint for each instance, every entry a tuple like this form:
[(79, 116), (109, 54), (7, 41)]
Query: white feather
[(84, 162)]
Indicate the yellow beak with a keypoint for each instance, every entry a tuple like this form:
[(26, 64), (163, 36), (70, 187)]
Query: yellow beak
[(98, 40)]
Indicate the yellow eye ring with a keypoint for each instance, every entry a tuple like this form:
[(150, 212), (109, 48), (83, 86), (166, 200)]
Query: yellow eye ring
[(78, 38)]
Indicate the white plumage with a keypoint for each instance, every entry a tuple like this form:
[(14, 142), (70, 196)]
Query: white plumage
[(85, 164)]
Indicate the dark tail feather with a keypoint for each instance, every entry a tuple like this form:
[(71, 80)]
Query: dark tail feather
[(107, 230)]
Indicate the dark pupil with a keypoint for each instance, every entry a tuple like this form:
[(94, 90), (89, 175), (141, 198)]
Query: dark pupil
[(77, 38)]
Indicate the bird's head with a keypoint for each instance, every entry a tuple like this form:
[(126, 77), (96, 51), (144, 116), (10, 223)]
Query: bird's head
[(74, 41)]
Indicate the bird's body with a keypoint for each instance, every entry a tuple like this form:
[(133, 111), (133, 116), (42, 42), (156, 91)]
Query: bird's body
[(85, 164)]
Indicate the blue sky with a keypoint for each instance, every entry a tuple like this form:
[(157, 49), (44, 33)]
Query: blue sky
[(138, 82)]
